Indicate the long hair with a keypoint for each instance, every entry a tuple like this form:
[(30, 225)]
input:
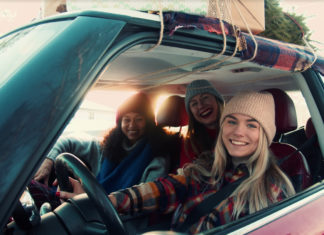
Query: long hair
[(263, 172), (197, 135), (112, 143)]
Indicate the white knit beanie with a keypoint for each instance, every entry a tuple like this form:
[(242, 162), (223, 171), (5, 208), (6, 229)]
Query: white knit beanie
[(258, 105)]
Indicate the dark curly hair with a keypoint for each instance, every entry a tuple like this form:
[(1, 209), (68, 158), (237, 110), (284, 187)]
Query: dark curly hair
[(162, 143)]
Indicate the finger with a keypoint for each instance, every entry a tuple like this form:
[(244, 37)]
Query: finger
[(66, 195), (55, 183), (37, 178), (40, 178), (112, 200)]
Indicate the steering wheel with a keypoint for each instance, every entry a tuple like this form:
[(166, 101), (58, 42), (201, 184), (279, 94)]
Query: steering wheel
[(94, 190)]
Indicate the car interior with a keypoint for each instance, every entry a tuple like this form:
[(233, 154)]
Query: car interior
[(154, 72), (167, 69)]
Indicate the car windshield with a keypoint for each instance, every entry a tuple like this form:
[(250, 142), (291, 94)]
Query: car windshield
[(18, 47)]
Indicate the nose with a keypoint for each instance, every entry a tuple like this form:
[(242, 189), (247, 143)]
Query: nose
[(239, 130), (200, 104), (132, 123)]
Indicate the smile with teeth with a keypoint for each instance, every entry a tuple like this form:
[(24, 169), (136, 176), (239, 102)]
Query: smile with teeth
[(206, 112), (235, 142)]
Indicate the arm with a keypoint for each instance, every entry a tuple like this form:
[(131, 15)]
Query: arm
[(43, 173), (87, 149), (158, 167), (162, 195)]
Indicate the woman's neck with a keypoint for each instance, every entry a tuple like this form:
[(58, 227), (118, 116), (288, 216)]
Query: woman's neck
[(128, 146), (212, 126), (212, 133), (239, 160)]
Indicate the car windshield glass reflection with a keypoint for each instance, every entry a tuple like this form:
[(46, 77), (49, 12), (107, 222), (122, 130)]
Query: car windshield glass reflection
[(17, 48)]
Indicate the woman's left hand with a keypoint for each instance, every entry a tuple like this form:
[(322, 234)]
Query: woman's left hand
[(77, 189)]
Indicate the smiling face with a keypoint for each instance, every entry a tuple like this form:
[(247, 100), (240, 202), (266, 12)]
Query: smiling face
[(133, 126), (204, 109), (240, 135)]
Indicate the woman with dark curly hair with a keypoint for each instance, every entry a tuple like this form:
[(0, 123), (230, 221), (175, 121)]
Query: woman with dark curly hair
[(133, 152)]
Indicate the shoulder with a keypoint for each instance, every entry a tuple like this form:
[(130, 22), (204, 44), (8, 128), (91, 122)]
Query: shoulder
[(158, 167), (79, 138), (159, 162)]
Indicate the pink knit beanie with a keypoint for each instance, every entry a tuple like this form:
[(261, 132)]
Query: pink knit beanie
[(258, 105)]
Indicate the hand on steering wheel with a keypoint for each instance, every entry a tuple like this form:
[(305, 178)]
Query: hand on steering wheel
[(94, 190), (77, 189)]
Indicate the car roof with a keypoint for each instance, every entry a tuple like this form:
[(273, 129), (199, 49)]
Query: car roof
[(169, 67)]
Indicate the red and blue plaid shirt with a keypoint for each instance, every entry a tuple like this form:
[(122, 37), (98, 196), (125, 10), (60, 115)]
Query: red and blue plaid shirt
[(178, 194)]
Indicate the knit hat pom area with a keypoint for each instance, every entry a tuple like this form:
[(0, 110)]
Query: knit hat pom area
[(258, 105), (137, 103), (199, 87)]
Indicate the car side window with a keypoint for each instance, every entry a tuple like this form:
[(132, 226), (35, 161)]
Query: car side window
[(302, 111)]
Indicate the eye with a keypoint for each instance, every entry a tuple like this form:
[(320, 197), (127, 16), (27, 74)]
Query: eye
[(193, 104), (126, 120), (205, 97), (251, 125), (139, 119), (232, 122)]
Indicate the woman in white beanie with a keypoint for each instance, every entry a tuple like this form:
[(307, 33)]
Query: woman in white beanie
[(242, 155), (247, 130)]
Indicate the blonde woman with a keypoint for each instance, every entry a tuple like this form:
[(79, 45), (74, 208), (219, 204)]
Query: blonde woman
[(242, 150)]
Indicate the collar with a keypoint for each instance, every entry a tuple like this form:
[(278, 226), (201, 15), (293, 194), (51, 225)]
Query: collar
[(128, 147), (236, 161)]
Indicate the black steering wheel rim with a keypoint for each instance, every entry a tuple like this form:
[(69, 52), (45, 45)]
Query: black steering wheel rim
[(94, 190)]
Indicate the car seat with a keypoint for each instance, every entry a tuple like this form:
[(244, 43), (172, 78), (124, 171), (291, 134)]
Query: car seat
[(313, 153), (172, 113), (286, 118), (290, 160)]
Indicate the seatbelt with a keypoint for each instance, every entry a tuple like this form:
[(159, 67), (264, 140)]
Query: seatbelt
[(208, 205), (306, 144)]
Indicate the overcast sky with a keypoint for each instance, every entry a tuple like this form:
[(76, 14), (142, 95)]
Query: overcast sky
[(313, 10), (14, 13)]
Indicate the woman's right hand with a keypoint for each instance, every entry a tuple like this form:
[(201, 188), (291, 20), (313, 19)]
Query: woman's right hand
[(77, 189), (43, 173)]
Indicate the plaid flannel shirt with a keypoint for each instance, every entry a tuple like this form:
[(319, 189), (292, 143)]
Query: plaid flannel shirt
[(178, 194)]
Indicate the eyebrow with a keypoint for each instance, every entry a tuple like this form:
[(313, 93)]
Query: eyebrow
[(249, 120)]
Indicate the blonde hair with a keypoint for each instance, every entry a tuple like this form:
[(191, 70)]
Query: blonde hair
[(263, 172)]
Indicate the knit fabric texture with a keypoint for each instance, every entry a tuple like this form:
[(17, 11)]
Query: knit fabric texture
[(138, 103), (258, 105), (199, 87)]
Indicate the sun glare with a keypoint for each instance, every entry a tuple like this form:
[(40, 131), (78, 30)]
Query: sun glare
[(158, 102), (111, 99)]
